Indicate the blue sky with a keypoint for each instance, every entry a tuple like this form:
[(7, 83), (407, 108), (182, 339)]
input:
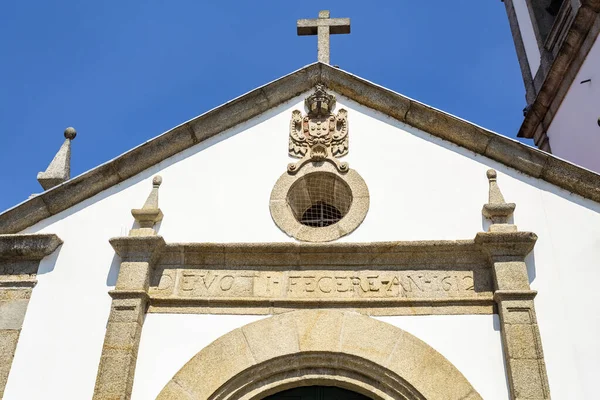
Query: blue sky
[(122, 72)]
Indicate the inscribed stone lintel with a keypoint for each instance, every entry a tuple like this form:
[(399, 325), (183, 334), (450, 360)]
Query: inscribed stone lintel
[(373, 289), (391, 278), (387, 278)]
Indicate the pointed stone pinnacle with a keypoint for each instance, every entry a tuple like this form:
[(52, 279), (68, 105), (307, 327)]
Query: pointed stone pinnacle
[(497, 209), (495, 195), (59, 169), (149, 214)]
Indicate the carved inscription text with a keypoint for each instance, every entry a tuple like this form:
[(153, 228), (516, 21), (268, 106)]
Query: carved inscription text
[(194, 283)]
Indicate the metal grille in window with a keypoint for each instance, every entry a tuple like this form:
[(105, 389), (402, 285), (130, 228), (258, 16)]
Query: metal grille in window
[(320, 215), (319, 199)]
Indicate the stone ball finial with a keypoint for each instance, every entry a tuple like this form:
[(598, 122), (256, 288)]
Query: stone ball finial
[(157, 180), (70, 133), (491, 174)]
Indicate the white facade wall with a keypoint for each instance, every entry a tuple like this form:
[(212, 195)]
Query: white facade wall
[(421, 188), (574, 133), (529, 40)]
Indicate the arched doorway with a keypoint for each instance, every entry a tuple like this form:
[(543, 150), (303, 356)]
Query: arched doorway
[(317, 393), (318, 348)]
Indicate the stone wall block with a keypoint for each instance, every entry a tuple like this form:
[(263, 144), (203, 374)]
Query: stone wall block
[(14, 293), (128, 310), (119, 351), (17, 270), (8, 344), (517, 311), (511, 275), (237, 111), (133, 275), (152, 152), (115, 377), (376, 344), (175, 392), (292, 85), (123, 336), (367, 94), (519, 338), (310, 331), (231, 356), (282, 338), (448, 127), (523, 350), (528, 380), (12, 313)]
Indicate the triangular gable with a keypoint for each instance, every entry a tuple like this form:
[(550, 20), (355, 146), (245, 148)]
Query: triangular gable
[(512, 153)]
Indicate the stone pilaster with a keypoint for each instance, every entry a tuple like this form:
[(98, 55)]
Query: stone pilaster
[(130, 300), (139, 252), (521, 340), (507, 249), (20, 256)]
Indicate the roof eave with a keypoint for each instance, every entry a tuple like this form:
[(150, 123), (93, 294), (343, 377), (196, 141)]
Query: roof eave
[(510, 152)]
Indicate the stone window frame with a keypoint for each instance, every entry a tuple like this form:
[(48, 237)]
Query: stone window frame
[(284, 217)]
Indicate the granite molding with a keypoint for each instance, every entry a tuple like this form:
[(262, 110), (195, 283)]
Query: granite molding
[(530, 161), (506, 249), (20, 256), (116, 369), (139, 281), (498, 254)]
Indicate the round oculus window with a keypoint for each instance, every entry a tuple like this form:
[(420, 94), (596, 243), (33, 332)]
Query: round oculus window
[(319, 199), (319, 204)]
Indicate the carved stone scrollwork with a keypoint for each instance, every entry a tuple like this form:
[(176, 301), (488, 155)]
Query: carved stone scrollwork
[(320, 135)]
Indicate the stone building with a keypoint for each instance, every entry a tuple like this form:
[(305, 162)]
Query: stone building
[(559, 52), (317, 237)]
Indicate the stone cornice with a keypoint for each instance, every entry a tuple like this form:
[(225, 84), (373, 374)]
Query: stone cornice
[(138, 248), (501, 295), (28, 247), (506, 245), (510, 152), (428, 253), (562, 72)]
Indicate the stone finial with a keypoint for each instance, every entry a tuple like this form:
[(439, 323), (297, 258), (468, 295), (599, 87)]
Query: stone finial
[(497, 209), (149, 214), (59, 169)]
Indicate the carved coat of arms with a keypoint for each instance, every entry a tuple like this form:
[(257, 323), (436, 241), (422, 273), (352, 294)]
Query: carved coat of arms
[(319, 135)]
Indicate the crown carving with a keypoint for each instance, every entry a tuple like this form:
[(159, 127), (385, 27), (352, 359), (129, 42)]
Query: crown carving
[(320, 103), (320, 135)]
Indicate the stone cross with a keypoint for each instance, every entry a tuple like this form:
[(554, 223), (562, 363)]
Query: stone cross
[(323, 27)]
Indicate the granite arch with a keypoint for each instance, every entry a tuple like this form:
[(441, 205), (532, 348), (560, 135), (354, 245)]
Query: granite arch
[(318, 347)]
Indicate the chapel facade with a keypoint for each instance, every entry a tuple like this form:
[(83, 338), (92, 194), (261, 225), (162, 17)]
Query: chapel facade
[(320, 237)]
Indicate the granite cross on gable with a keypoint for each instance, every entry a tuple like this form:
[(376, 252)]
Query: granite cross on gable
[(323, 27)]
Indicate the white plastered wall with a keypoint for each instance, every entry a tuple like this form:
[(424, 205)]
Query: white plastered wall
[(574, 133), (421, 188), (529, 40)]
